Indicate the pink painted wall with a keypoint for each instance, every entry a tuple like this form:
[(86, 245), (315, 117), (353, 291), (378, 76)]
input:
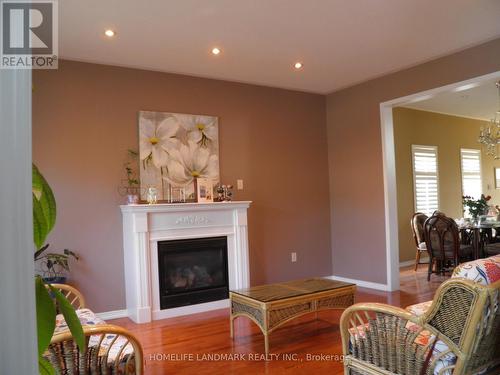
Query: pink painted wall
[(355, 155), (85, 118)]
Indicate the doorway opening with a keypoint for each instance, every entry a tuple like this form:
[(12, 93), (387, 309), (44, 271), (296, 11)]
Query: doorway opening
[(392, 222)]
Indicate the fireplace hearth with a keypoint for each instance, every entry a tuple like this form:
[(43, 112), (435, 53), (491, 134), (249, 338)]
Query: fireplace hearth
[(192, 271)]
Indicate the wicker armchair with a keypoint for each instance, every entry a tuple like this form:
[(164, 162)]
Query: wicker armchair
[(458, 334), (110, 349), (72, 294)]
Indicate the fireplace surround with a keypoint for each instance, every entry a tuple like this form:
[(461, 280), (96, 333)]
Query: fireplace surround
[(146, 227)]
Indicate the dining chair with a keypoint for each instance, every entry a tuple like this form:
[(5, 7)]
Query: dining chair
[(443, 244), (417, 226)]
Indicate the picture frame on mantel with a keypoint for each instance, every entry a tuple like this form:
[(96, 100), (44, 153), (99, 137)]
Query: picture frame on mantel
[(497, 178), (204, 190)]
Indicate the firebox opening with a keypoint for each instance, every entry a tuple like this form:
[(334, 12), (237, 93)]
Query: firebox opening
[(192, 271)]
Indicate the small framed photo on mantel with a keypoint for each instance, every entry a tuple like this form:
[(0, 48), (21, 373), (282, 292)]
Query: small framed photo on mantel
[(204, 190)]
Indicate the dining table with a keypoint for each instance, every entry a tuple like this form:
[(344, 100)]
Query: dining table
[(477, 234)]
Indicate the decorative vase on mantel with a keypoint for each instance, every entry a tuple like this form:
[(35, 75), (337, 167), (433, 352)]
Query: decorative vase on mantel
[(132, 199)]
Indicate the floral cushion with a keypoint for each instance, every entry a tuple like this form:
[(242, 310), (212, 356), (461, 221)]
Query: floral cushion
[(483, 271), (419, 308), (88, 318), (423, 339)]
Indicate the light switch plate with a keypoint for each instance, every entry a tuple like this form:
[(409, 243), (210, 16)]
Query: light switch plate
[(239, 184)]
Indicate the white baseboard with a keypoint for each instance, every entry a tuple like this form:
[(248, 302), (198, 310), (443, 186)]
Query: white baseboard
[(361, 283), (412, 262), (406, 263), (115, 314)]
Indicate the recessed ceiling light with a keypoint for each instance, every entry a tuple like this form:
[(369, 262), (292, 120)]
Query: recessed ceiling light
[(215, 51), (298, 65), (109, 33)]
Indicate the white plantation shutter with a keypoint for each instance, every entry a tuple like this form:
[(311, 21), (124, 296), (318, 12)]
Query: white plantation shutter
[(471, 172), (425, 178)]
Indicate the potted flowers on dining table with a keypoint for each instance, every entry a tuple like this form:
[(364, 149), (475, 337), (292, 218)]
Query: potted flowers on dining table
[(476, 207)]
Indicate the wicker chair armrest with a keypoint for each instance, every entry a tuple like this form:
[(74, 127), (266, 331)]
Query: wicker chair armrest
[(72, 294), (90, 357), (379, 334)]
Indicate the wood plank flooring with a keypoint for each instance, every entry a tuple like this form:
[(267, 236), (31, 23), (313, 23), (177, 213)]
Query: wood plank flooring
[(200, 344)]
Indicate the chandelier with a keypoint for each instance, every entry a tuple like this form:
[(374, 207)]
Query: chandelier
[(490, 137)]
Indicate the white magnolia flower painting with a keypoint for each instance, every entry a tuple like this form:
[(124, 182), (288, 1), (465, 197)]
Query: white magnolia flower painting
[(175, 149)]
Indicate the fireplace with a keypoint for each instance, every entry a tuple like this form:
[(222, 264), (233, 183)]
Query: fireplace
[(192, 271), (145, 226)]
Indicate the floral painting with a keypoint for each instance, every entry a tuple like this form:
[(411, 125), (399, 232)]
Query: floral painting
[(175, 148)]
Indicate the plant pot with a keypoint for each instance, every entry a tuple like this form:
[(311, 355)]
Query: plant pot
[(55, 280)]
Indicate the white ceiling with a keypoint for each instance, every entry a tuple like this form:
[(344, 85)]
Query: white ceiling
[(479, 102), (340, 42)]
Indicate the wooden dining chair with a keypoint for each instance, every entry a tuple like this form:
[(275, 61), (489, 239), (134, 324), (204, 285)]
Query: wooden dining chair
[(417, 226), (443, 244)]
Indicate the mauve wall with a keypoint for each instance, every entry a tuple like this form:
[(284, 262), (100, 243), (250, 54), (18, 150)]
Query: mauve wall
[(355, 155), (85, 118)]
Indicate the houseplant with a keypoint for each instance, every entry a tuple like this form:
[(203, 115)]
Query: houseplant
[(132, 182), (476, 207), (54, 266), (44, 218)]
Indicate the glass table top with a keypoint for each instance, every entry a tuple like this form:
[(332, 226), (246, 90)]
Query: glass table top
[(273, 292)]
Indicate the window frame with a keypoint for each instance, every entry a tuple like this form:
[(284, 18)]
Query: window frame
[(415, 147), (462, 168)]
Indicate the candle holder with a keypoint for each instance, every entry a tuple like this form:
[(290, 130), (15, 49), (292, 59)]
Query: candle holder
[(152, 195)]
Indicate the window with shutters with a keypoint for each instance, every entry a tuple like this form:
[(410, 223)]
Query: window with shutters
[(425, 178), (472, 184)]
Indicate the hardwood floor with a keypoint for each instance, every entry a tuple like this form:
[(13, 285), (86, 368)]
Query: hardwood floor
[(197, 344)]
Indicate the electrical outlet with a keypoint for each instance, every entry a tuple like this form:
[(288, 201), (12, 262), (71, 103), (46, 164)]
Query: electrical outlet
[(294, 256), (239, 184)]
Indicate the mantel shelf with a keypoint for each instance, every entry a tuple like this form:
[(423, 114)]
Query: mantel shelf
[(176, 207)]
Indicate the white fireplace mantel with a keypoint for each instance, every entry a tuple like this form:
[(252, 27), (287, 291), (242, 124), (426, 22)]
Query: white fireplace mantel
[(145, 225)]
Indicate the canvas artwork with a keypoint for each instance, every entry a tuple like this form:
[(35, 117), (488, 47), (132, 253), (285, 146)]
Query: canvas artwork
[(174, 149)]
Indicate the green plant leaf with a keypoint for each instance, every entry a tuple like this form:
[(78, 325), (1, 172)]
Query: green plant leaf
[(44, 207), (45, 315), (36, 181), (46, 199), (70, 253), (45, 367), (39, 253), (40, 226), (48, 203), (71, 318)]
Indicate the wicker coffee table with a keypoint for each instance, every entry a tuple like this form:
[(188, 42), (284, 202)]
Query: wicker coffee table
[(270, 306)]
